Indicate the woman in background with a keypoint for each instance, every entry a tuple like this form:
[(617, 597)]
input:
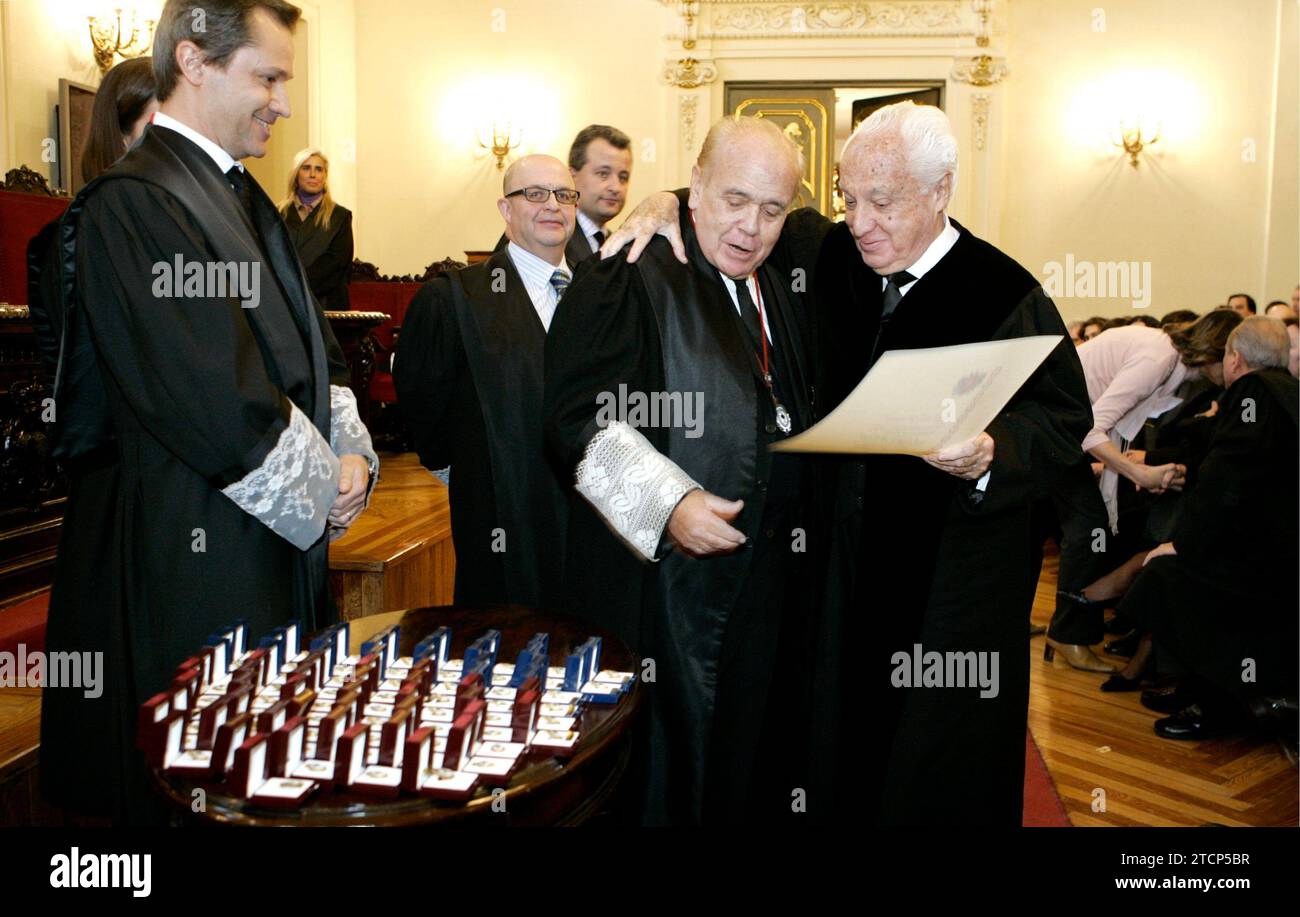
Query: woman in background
[(124, 103), (320, 228), (1134, 373)]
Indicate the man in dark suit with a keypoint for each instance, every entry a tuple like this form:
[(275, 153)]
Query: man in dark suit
[(206, 422), (600, 160), (1222, 618), (469, 378)]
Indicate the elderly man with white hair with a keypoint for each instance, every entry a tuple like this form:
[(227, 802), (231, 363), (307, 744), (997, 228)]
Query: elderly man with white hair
[(933, 556), (665, 385)]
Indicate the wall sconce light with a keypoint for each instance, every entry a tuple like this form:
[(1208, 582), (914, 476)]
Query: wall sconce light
[(504, 138), (106, 36), (1130, 138)]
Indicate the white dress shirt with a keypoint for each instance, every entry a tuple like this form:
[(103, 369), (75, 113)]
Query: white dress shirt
[(752, 283), (941, 245), (589, 230), (223, 159), (536, 274)]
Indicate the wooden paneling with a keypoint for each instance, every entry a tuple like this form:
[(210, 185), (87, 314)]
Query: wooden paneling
[(399, 553)]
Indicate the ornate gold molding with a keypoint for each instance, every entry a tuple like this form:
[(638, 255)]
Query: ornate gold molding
[(689, 73), (980, 70), (980, 118), (756, 19), (687, 113)]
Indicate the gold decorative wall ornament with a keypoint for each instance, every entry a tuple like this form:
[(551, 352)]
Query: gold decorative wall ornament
[(106, 37), (689, 73)]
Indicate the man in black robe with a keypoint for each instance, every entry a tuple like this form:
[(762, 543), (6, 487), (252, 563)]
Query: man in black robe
[(665, 386), (936, 553), (202, 405), (469, 379)]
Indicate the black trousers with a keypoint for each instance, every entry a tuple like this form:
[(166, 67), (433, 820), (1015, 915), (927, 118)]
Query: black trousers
[(1078, 516)]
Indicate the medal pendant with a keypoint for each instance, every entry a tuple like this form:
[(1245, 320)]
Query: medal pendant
[(783, 419)]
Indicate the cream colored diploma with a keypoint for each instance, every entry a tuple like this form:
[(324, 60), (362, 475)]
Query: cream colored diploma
[(915, 402)]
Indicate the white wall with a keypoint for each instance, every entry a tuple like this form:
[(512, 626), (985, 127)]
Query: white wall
[(428, 70), (1197, 208)]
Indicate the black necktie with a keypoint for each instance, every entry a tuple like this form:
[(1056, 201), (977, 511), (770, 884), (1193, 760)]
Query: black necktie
[(749, 313), (239, 181), (893, 296), (599, 236)]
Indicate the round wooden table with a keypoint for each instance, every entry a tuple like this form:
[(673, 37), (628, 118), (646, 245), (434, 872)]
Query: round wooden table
[(544, 790)]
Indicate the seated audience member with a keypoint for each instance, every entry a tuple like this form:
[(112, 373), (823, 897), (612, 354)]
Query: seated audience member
[(1117, 322), (1178, 317), (1242, 304), (1091, 327), (1293, 332), (1279, 309), (1224, 621), (1132, 374), (1075, 330), (1148, 320)]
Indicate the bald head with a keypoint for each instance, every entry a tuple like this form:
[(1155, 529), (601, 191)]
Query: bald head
[(733, 138), (741, 188), (542, 228)]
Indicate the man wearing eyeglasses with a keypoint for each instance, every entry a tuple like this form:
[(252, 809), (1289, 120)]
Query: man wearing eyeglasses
[(469, 379)]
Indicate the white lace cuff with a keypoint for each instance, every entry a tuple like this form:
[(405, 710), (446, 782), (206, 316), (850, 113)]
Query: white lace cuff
[(292, 491), (348, 435), (632, 485)]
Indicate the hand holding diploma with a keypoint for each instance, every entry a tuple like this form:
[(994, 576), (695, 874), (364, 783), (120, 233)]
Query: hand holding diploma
[(968, 460)]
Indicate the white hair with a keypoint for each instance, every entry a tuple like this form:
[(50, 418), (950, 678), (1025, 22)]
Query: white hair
[(928, 143), (1262, 342)]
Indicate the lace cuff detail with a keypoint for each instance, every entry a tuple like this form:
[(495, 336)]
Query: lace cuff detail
[(348, 435), (632, 485), (292, 491)]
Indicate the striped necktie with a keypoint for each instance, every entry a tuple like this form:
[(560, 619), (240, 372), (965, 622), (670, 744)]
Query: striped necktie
[(560, 280)]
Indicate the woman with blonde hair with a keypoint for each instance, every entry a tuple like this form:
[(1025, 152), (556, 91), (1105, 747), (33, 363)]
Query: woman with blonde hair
[(321, 229)]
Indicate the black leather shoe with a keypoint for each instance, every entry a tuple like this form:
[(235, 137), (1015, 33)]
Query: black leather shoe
[(1163, 700), (1189, 724), (1118, 682), (1125, 646), (1119, 624)]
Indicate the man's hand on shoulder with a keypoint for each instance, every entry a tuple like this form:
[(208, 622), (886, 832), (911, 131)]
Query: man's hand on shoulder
[(658, 214), (699, 524)]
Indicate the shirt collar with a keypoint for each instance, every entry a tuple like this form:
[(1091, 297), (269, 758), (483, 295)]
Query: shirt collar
[(589, 226), (223, 159), (933, 253), (532, 268)]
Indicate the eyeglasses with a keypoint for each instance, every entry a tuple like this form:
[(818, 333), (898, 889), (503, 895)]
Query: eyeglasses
[(536, 194)]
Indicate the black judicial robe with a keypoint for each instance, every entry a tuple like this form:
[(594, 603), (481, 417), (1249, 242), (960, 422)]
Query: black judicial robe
[(918, 557), (1212, 604), (468, 373), (195, 392), (326, 254), (660, 326)]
